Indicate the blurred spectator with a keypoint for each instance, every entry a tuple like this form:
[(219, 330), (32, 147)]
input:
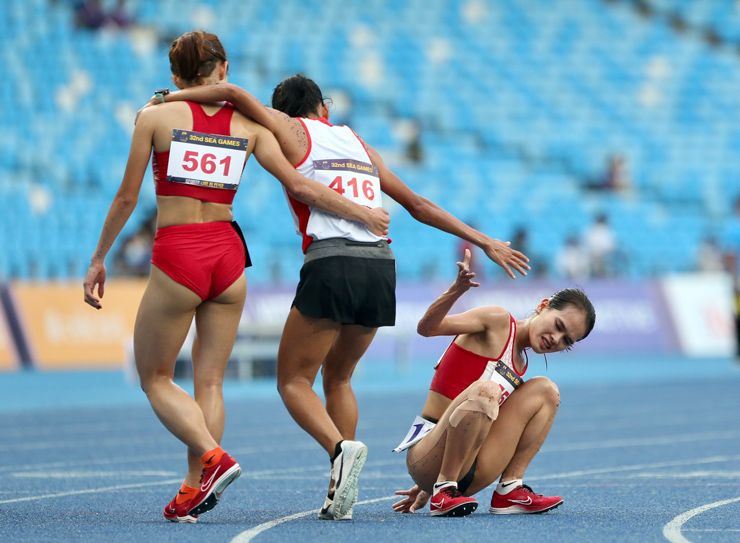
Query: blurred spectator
[(615, 178), (119, 16), (709, 255), (91, 15), (135, 256), (520, 242), (572, 261), (414, 151), (601, 244)]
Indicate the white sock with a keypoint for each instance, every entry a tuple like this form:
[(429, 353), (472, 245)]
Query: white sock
[(443, 484), (504, 487)]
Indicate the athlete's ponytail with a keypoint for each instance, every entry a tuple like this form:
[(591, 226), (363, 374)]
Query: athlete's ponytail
[(297, 96), (195, 55)]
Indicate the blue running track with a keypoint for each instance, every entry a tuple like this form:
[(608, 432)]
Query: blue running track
[(642, 450)]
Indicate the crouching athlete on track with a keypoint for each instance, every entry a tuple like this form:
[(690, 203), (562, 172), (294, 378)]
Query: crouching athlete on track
[(481, 421)]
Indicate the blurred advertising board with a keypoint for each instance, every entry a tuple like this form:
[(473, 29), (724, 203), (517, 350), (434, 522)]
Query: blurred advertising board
[(8, 359), (63, 332), (632, 317), (688, 314), (703, 315)]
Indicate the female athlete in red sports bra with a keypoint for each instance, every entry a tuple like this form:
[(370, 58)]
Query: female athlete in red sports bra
[(198, 257), (481, 421)]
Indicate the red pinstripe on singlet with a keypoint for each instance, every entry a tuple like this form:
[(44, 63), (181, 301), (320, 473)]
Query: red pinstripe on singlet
[(219, 124)]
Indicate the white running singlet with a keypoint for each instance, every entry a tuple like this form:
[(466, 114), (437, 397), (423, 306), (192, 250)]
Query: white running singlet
[(336, 158)]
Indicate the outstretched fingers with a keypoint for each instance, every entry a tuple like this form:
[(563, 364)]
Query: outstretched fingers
[(415, 500), (464, 275), (508, 258)]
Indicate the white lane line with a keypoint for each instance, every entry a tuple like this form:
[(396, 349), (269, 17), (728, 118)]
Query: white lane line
[(153, 435), (254, 474), (672, 530), (708, 475), (87, 474), (169, 456), (247, 536), (710, 529), (91, 491), (641, 442), (708, 460)]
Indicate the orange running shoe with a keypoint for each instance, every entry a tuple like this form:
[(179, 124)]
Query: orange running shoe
[(213, 482)]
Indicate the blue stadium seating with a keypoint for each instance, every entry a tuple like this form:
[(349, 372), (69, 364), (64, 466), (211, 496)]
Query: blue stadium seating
[(519, 103)]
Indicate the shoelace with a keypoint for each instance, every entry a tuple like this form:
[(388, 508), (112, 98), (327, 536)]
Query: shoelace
[(452, 491), (528, 489)]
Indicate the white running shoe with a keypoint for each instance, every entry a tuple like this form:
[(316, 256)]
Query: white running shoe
[(325, 515), (345, 471)]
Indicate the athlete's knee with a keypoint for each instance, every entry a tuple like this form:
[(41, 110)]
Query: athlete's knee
[(482, 401), (548, 390), (487, 389), (281, 385), (288, 385), (208, 385), (150, 381), (332, 380)]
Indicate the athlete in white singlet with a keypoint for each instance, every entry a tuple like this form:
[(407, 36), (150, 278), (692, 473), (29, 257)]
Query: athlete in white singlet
[(481, 421), (338, 159), (347, 285)]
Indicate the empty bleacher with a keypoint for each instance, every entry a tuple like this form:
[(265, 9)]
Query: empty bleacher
[(519, 103)]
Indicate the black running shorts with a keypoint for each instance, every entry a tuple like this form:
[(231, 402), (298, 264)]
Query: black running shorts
[(348, 282)]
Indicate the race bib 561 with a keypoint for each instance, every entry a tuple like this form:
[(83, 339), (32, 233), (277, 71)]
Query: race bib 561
[(206, 160)]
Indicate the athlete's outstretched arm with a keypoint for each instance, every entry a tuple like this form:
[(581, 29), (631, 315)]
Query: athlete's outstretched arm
[(120, 210), (288, 131), (268, 154), (427, 212), (225, 92), (437, 322), (431, 323)]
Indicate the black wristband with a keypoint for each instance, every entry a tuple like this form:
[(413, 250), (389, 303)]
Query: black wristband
[(161, 93)]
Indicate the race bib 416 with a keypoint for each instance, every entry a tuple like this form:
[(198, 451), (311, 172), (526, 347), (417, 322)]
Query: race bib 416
[(355, 180)]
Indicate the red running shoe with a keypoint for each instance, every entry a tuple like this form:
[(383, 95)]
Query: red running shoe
[(449, 502), (178, 512), (522, 501), (213, 482)]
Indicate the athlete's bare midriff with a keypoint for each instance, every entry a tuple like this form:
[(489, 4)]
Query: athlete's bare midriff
[(173, 210)]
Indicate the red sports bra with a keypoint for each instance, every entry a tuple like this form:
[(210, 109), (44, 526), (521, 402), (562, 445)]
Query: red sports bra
[(458, 367), (219, 124)]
